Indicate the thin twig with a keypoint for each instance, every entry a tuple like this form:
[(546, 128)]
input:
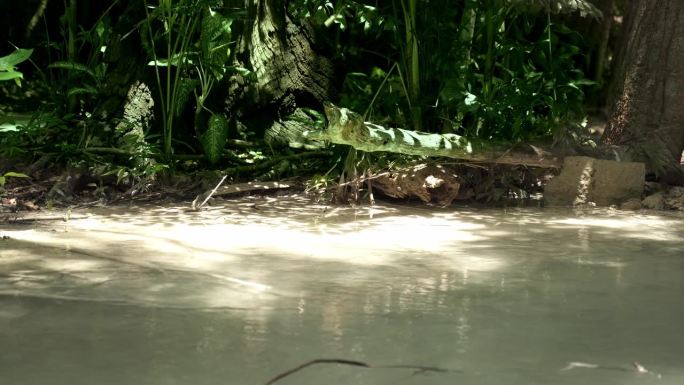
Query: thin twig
[(342, 361), (370, 188), (317, 361), (363, 179), (198, 208)]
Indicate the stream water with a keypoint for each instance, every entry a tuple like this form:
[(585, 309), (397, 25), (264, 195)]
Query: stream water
[(251, 288)]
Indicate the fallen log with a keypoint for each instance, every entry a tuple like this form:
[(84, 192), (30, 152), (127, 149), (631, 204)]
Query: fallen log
[(349, 128)]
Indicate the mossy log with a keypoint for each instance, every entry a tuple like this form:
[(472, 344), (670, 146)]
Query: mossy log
[(347, 127)]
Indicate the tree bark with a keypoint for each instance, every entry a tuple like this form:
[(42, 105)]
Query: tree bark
[(648, 91), (289, 71)]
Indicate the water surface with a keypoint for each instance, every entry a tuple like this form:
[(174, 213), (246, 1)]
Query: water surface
[(251, 288)]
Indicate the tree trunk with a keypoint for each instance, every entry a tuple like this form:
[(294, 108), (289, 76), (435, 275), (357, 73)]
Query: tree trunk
[(648, 91), (289, 72)]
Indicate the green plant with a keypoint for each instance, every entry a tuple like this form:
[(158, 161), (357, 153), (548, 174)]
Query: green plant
[(81, 57), (178, 22), (40, 132), (518, 73), (346, 14), (212, 64), (8, 70), (11, 129), (77, 79), (214, 138), (196, 43), (411, 60), (3, 178), (489, 69), (139, 175)]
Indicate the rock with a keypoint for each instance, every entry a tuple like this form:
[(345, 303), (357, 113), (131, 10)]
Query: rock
[(654, 202), (653, 187), (674, 199), (585, 180), (675, 203), (675, 191), (631, 204)]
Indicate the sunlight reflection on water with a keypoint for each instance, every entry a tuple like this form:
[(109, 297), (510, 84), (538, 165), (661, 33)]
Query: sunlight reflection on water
[(252, 287)]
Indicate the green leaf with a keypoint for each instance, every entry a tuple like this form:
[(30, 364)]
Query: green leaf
[(470, 99), (8, 62), (3, 178), (9, 127), (9, 75), (82, 91), (73, 66), (214, 139), (158, 63), (184, 88), (244, 72), (215, 41), (15, 175), (100, 29), (179, 58), (584, 82)]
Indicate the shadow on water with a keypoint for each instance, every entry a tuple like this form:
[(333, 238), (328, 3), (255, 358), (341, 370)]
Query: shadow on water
[(249, 288)]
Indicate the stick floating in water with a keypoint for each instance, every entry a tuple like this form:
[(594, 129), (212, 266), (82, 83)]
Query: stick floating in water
[(636, 367), (573, 365), (342, 361)]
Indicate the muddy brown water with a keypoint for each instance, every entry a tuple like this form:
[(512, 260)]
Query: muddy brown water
[(251, 288)]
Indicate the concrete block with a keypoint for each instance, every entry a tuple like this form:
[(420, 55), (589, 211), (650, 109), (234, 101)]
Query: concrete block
[(589, 181)]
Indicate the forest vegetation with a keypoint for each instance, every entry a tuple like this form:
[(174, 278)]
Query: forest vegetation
[(124, 97)]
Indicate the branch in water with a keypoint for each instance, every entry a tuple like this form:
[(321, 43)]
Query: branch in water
[(636, 367), (418, 368)]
